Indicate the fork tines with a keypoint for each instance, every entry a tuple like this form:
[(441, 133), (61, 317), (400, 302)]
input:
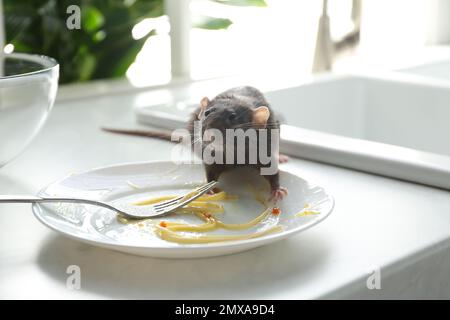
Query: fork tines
[(194, 195)]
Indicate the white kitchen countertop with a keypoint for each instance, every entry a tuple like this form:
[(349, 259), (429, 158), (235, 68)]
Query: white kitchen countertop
[(378, 222)]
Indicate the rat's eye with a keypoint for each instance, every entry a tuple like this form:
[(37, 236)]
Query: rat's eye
[(232, 116), (208, 111)]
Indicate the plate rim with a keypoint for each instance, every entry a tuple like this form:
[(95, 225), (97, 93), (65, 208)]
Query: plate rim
[(36, 208)]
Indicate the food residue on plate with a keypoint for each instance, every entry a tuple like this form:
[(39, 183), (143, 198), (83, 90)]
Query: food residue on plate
[(306, 212), (206, 208), (276, 211)]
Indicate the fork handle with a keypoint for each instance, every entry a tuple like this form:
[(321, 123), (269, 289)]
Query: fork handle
[(33, 199), (19, 199)]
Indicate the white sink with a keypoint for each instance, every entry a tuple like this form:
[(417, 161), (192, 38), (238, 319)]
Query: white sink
[(386, 125), (393, 125), (437, 70)]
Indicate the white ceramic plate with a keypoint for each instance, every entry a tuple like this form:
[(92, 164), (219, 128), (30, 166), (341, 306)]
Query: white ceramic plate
[(100, 227)]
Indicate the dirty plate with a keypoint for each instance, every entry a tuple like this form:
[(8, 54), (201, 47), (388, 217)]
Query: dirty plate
[(133, 182)]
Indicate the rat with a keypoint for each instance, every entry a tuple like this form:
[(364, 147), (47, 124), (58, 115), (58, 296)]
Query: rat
[(237, 108)]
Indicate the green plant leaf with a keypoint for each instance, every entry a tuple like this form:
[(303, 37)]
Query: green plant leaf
[(243, 3), (213, 23), (86, 63), (92, 19)]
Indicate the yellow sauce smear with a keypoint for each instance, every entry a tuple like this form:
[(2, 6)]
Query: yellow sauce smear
[(203, 208), (172, 236), (220, 196), (306, 213)]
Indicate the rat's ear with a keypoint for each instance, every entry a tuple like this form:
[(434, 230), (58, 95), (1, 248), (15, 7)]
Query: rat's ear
[(261, 115), (204, 102), (203, 105)]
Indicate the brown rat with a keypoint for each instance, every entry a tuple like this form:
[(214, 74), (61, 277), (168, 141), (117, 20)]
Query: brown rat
[(237, 108)]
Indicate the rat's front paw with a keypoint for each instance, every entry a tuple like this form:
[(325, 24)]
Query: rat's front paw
[(282, 158), (214, 191), (278, 194)]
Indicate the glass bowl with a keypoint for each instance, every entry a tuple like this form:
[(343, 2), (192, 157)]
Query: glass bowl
[(28, 85)]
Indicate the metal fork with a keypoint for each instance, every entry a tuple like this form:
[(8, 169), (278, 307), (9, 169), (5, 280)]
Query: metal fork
[(129, 211)]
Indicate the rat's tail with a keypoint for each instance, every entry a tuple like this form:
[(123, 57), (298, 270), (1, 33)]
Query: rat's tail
[(142, 133)]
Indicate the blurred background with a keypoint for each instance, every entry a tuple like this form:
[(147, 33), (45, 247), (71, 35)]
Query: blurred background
[(151, 42)]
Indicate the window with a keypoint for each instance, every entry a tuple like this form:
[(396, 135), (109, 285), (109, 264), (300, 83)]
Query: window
[(276, 38)]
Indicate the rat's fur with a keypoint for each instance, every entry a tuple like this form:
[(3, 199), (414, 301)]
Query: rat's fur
[(241, 101)]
